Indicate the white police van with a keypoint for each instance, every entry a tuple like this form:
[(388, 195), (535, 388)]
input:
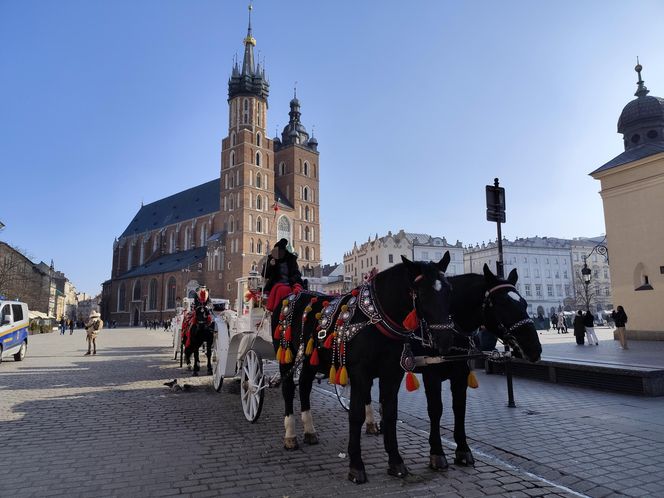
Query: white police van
[(13, 329)]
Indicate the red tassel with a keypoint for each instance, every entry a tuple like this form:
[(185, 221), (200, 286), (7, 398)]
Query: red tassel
[(411, 321), (412, 384), (342, 348), (289, 334), (337, 377), (326, 304), (355, 292), (328, 342), (277, 333), (314, 360), (340, 322)]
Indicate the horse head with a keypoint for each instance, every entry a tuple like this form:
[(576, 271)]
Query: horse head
[(506, 315), (431, 292)]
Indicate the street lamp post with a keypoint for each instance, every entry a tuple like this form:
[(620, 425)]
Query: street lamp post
[(586, 273)]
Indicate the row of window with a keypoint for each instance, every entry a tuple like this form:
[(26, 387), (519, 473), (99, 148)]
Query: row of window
[(151, 302), (189, 242), (242, 114)]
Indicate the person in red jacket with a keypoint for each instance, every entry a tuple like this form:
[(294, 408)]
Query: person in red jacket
[(282, 274)]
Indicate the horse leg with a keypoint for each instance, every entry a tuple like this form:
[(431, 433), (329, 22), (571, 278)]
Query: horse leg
[(288, 393), (389, 390), (432, 388), (197, 362), (370, 421), (208, 353), (360, 391), (306, 382), (459, 386)]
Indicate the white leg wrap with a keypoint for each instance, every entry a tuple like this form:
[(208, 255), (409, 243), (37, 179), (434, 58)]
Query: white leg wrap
[(369, 415), (308, 422), (289, 425)]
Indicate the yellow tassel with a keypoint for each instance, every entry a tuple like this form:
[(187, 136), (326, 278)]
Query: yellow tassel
[(333, 374), (344, 308), (343, 376), (280, 355), (472, 380), (310, 347), (307, 309), (288, 356), (318, 315)]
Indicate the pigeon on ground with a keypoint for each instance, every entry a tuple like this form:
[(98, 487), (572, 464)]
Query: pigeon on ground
[(171, 383)]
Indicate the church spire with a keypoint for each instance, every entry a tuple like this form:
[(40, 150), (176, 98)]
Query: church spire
[(249, 44), (251, 78), (641, 90)]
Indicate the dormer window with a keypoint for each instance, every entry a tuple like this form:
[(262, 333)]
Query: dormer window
[(652, 134), (635, 138)]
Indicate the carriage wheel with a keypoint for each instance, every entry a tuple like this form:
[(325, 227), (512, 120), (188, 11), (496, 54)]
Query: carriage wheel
[(252, 385), (343, 395), (218, 376)]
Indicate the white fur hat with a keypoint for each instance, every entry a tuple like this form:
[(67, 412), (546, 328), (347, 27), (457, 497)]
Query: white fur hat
[(95, 314)]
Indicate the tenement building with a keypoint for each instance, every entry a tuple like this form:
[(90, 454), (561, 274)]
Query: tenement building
[(214, 233), (633, 196)]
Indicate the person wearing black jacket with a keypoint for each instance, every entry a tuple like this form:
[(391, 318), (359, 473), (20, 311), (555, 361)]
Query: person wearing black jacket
[(589, 323), (579, 328), (620, 319), (282, 274)]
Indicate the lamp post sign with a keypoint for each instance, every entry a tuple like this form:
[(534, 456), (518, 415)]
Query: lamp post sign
[(495, 211)]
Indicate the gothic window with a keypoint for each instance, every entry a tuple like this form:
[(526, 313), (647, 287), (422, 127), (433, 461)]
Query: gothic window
[(259, 247), (245, 114), (258, 158), (305, 169), (141, 258), (282, 169), (204, 234), (171, 243), (251, 245), (237, 178), (187, 238), (306, 234), (254, 267), (306, 253), (130, 253), (232, 136), (259, 224), (258, 135), (251, 200), (121, 297), (258, 180), (305, 193), (311, 254), (231, 225), (259, 203), (232, 158), (258, 118), (152, 294), (155, 242), (231, 202), (170, 294), (306, 213), (284, 228), (136, 294)]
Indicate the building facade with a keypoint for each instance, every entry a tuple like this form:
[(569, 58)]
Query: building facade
[(632, 190), (217, 232)]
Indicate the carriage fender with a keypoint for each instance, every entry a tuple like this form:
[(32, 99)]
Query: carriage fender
[(222, 341)]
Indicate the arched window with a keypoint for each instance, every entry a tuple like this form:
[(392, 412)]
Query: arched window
[(258, 135), (259, 224), (237, 178), (258, 158), (233, 135), (306, 234), (282, 169), (306, 253), (251, 245), (259, 112), (155, 242), (231, 203), (311, 254), (258, 180), (141, 257), (152, 294), (136, 293), (245, 113), (171, 243), (170, 294), (259, 247), (233, 157), (254, 267), (231, 225), (305, 193), (187, 238), (204, 234), (251, 178), (306, 168), (122, 297), (259, 202), (306, 213), (284, 229), (130, 253)]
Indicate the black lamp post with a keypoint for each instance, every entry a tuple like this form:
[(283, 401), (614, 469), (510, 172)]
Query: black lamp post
[(585, 274)]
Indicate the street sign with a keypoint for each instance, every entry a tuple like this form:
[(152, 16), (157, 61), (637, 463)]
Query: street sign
[(495, 204)]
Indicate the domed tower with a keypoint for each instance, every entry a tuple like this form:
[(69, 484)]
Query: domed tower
[(642, 119), (296, 160), (247, 171)]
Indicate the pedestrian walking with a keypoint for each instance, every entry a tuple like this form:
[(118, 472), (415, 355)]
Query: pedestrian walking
[(562, 326), (620, 319), (71, 327), (62, 325), (92, 328), (589, 323), (579, 328), (554, 321)]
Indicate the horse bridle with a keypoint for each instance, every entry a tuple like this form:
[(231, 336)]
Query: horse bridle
[(425, 328), (507, 331)]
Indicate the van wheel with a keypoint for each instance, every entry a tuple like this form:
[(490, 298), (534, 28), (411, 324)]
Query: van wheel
[(0, 353), (21, 352)]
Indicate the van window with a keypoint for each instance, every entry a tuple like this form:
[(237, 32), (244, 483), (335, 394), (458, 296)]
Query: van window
[(18, 312), (6, 310)]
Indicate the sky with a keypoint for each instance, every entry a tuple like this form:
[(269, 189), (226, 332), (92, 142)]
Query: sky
[(416, 107)]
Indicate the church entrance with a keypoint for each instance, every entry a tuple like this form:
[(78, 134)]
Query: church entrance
[(136, 317)]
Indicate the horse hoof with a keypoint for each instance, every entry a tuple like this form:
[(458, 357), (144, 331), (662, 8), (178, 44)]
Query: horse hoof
[(290, 443), (398, 470), (438, 462), (310, 438), (189, 368), (373, 429), (357, 476), (464, 458)]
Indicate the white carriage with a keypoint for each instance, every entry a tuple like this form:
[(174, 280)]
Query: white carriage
[(242, 341)]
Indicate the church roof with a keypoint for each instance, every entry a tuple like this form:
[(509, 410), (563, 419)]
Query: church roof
[(168, 263), (191, 203), (634, 154)]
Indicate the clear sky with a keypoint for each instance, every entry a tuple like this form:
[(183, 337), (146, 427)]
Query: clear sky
[(416, 106)]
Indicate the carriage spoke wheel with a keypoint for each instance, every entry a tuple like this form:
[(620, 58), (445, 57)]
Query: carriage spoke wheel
[(251, 385), (343, 395), (217, 375)]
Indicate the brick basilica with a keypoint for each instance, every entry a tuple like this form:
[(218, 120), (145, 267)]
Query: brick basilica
[(219, 231)]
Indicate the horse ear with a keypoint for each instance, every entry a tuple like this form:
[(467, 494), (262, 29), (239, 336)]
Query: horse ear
[(444, 263), (513, 277), (405, 260), (410, 266), (488, 274)]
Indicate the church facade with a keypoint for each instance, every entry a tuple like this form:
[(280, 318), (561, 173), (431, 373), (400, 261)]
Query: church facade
[(214, 233)]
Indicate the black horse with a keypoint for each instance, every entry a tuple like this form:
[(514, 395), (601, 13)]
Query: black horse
[(357, 337), (476, 300), (197, 329)]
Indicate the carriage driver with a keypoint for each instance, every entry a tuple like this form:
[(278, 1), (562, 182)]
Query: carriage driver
[(282, 275)]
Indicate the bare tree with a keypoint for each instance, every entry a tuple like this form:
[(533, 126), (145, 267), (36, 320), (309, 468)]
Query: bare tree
[(20, 279), (585, 295)]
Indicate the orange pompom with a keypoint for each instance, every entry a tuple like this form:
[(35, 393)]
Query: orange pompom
[(310, 347), (472, 380), (412, 384), (314, 300), (280, 355), (333, 375), (314, 360), (326, 304), (289, 334), (411, 321), (355, 292), (343, 376)]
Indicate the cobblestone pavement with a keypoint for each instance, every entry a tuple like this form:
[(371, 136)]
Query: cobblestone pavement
[(105, 425)]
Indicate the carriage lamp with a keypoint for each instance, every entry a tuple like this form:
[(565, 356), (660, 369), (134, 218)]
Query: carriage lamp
[(585, 272)]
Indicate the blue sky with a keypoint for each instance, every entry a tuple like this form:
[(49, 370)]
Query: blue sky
[(416, 106)]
